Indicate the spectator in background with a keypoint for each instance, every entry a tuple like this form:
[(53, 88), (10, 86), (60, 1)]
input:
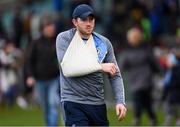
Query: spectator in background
[(10, 64), (43, 70), (17, 25), (140, 65), (172, 89)]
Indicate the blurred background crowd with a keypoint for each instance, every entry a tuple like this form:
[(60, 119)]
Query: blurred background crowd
[(145, 35)]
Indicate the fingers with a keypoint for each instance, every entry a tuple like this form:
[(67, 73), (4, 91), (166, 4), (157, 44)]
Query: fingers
[(113, 69), (117, 111), (30, 81), (122, 114), (120, 111), (110, 68)]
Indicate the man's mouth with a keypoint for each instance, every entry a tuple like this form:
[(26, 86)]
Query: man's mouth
[(88, 28)]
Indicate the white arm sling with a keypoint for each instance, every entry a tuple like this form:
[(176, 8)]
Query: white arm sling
[(80, 58)]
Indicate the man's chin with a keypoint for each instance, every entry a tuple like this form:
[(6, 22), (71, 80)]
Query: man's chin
[(89, 32)]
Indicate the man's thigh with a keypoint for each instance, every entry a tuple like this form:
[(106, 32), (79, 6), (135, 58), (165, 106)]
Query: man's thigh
[(97, 115), (73, 115), (85, 115)]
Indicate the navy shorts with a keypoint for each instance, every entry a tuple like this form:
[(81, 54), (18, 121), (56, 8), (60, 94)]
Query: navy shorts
[(76, 114)]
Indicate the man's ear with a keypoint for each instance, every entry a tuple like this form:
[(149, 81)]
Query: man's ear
[(74, 22)]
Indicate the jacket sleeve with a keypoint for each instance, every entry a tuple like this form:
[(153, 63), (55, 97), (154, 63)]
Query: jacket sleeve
[(116, 81), (155, 67), (31, 60)]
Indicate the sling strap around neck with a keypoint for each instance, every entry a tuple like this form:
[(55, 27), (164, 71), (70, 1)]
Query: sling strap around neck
[(80, 58)]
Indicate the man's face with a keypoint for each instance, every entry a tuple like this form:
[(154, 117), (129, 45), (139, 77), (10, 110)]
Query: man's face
[(86, 26), (134, 37), (49, 30)]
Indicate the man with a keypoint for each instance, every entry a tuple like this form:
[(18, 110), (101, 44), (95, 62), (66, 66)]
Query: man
[(83, 96), (43, 70), (140, 74)]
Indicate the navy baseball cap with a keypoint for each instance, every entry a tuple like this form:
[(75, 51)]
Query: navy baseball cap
[(82, 11)]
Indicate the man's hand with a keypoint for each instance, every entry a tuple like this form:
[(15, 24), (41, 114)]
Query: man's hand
[(30, 81), (120, 111), (109, 68)]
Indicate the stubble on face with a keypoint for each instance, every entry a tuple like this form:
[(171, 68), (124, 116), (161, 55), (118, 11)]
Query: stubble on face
[(85, 27)]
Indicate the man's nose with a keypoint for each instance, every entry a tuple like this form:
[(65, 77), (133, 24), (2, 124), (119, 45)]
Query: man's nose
[(88, 22)]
